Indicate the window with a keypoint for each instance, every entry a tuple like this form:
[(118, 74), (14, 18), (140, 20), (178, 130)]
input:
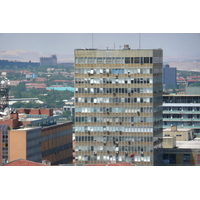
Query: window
[(99, 60), (136, 60), (186, 158), (146, 59), (127, 60)]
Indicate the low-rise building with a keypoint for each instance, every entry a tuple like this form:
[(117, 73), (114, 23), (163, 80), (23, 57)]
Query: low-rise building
[(181, 153), (35, 135), (181, 134)]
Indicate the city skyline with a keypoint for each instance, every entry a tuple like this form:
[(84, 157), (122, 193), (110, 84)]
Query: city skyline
[(32, 46)]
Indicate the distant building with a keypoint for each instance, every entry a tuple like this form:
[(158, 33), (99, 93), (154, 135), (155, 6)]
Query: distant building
[(71, 108), (3, 144), (169, 77), (48, 61), (31, 75)]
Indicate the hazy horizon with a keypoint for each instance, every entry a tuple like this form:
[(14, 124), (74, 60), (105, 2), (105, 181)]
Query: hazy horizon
[(31, 46)]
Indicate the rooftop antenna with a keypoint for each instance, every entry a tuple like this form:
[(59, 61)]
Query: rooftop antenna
[(92, 40)]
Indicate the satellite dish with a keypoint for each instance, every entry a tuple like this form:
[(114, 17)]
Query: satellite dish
[(2, 82)]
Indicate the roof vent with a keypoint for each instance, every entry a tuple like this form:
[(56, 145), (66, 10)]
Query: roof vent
[(126, 47)]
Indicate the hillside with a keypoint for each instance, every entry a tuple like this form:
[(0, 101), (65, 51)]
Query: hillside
[(186, 66)]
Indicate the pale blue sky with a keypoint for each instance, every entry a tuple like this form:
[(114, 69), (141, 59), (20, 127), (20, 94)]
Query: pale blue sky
[(173, 44)]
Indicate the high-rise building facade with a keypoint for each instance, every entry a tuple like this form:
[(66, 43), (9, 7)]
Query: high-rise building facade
[(169, 77), (118, 99)]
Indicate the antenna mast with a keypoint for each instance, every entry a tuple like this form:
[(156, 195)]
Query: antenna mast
[(92, 40)]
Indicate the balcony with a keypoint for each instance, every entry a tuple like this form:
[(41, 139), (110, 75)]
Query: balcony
[(180, 112), (182, 119)]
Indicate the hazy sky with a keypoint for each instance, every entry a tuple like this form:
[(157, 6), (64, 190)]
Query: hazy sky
[(173, 44)]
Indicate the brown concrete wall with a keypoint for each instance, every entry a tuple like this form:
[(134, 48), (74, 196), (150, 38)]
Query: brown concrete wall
[(17, 144), (56, 142)]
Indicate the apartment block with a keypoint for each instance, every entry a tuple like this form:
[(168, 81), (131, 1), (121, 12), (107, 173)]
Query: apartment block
[(182, 111), (118, 105)]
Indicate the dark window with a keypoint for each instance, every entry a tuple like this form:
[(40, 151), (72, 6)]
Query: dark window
[(146, 59), (131, 59), (127, 60), (151, 59)]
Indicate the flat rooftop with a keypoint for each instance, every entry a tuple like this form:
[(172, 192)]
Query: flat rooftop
[(178, 129), (188, 144)]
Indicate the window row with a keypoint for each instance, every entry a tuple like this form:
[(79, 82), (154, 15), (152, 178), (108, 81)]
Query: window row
[(114, 71), (114, 138), (113, 90), (114, 80), (108, 158), (118, 109), (113, 100), (114, 148), (113, 109), (113, 129), (182, 116), (181, 123), (115, 60), (114, 119), (181, 109)]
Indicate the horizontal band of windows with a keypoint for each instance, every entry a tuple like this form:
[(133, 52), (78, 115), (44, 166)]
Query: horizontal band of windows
[(57, 149), (108, 158), (114, 138), (114, 119), (113, 129), (117, 60), (118, 80)]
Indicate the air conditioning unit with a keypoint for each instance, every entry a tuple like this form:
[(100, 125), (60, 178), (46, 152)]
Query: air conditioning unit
[(126, 152), (120, 132), (94, 152), (108, 151), (117, 152)]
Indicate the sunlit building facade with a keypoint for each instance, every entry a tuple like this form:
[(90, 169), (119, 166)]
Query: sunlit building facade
[(118, 99)]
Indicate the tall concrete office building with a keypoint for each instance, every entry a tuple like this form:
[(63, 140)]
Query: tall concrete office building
[(118, 99), (169, 77)]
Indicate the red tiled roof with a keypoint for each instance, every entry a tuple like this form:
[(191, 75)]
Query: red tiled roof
[(111, 164), (22, 162), (193, 76), (192, 80)]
